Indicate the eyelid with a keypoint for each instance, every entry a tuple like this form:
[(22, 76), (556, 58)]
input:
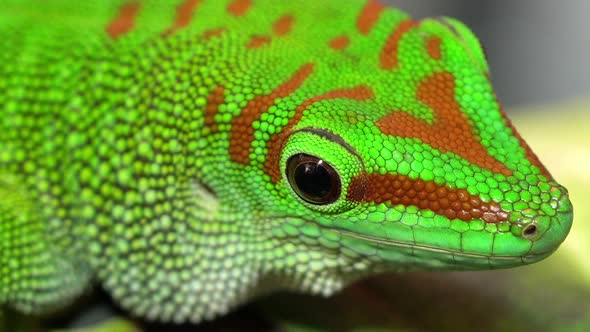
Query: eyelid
[(331, 137)]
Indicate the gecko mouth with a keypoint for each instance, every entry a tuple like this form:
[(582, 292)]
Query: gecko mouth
[(412, 254), (528, 258), (401, 244)]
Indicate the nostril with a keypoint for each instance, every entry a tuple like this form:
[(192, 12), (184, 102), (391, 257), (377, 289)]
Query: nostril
[(530, 231)]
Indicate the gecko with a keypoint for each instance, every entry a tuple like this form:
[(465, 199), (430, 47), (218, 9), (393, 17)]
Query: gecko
[(189, 156)]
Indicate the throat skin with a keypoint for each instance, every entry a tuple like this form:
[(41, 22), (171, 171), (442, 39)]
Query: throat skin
[(145, 147)]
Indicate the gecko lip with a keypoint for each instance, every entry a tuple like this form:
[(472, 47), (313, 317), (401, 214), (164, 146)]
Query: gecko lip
[(401, 244)]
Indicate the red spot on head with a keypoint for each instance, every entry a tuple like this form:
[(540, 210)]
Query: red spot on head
[(124, 21), (242, 132), (271, 165), (213, 33), (283, 25), (451, 131), (340, 42), (530, 155), (389, 55), (239, 7), (433, 47), (184, 14), (258, 41), (369, 16), (214, 100)]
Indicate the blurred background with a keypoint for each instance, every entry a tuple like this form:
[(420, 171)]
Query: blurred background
[(538, 49)]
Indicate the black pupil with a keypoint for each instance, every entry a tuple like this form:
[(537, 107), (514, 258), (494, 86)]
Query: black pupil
[(313, 179)]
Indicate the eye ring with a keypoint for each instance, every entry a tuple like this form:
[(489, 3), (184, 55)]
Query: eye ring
[(313, 179)]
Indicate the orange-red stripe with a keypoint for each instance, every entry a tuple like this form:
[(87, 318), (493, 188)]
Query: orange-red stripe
[(369, 16), (214, 100), (258, 41), (389, 55), (124, 21), (184, 15), (239, 7), (530, 155), (213, 33), (283, 25), (426, 195), (242, 132), (451, 131), (271, 165), (433, 47), (339, 43)]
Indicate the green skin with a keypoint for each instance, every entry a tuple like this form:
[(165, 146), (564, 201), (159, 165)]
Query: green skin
[(110, 172)]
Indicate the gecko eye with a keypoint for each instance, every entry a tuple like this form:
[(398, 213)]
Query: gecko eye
[(313, 179)]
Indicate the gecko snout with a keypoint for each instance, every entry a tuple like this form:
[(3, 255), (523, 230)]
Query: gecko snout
[(547, 229)]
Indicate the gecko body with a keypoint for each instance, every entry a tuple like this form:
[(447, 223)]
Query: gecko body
[(191, 155)]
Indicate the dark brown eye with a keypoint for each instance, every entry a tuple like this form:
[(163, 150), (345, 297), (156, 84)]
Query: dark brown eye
[(313, 179)]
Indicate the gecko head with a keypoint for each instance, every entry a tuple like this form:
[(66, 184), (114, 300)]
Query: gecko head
[(427, 173), (358, 203)]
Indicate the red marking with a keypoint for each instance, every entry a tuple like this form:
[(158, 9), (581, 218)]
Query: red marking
[(125, 21), (339, 43), (258, 41), (369, 16), (213, 33), (283, 25), (433, 47), (275, 142), (184, 15), (242, 132), (214, 100), (426, 195), (530, 155), (239, 7), (389, 55), (451, 131)]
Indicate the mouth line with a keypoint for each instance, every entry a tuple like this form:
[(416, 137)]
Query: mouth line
[(400, 244), (426, 248)]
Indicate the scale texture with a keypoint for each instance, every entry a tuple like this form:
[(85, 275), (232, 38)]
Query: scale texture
[(190, 155)]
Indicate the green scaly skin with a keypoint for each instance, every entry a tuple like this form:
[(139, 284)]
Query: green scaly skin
[(138, 151)]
